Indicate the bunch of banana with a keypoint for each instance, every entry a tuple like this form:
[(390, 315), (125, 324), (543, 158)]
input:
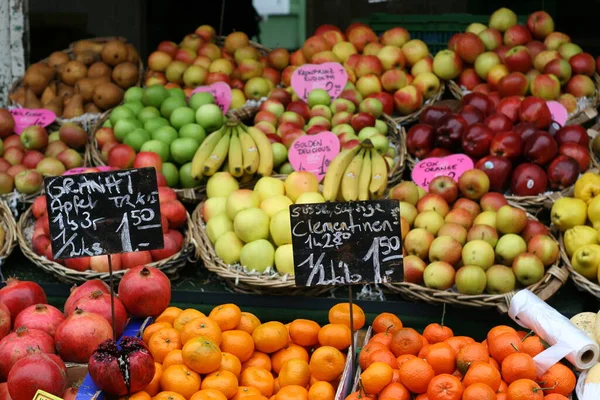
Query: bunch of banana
[(247, 151), (359, 173)]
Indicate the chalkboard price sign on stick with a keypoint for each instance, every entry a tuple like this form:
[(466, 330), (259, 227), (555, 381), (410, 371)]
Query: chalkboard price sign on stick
[(104, 213), (346, 243)]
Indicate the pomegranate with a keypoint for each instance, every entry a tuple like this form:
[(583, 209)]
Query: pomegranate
[(77, 292), (18, 295), (4, 395), (145, 291), (70, 393), (5, 322), (79, 335), (40, 316), (99, 302), (37, 371), (122, 371), (19, 344)]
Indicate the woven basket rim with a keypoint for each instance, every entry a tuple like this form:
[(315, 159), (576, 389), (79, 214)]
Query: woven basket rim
[(7, 221), (407, 119)]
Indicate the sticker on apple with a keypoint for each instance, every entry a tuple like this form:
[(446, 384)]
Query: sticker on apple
[(25, 117), (428, 169), (220, 91), (314, 153), (330, 76)]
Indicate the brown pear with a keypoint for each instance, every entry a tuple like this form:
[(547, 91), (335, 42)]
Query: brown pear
[(126, 75), (31, 100), (85, 87), (55, 105), (87, 45), (49, 93), (99, 69), (87, 57), (91, 108), (58, 58), (18, 96), (36, 81), (65, 90), (43, 69), (72, 71), (73, 107), (133, 56), (107, 95), (114, 52)]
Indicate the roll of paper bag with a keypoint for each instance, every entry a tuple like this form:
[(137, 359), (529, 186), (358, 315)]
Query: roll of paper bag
[(564, 338)]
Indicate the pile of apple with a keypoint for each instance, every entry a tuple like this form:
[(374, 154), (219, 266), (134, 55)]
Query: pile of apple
[(160, 121), (251, 227), (478, 242), (174, 217), (510, 141), (27, 158), (509, 59), (284, 121)]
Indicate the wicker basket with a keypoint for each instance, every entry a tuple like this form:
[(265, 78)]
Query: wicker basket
[(7, 222), (169, 266), (556, 276), (88, 120), (580, 281), (410, 118), (578, 118)]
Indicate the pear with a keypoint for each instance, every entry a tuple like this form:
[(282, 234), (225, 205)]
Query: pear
[(57, 59), (133, 55), (586, 260), (579, 236), (65, 90), (114, 52), (73, 71), (87, 57), (91, 108), (587, 187), (73, 107), (107, 95), (568, 212), (49, 93), (18, 96), (125, 75), (31, 100), (36, 81), (55, 105), (85, 87), (82, 46), (98, 69)]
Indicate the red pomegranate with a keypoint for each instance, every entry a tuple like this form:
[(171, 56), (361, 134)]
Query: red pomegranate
[(19, 344), (4, 395), (70, 393), (40, 316), (122, 371), (145, 291), (37, 371), (5, 322), (77, 292), (99, 302), (79, 335), (18, 295)]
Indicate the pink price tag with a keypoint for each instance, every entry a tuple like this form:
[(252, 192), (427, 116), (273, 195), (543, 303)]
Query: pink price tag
[(558, 112), (85, 170), (330, 76), (453, 166), (25, 117), (220, 91), (314, 153)]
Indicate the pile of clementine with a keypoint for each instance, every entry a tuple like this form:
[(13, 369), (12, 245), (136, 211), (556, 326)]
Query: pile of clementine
[(230, 354), (401, 364)]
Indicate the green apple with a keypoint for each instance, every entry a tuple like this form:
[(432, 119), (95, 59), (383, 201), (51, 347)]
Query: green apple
[(133, 94), (185, 176), (107, 124), (135, 105), (121, 112), (470, 279), (169, 170), (182, 116), (193, 131), (284, 259), (381, 127), (136, 139), (170, 104), (318, 96), (125, 126), (500, 279), (166, 134), (158, 147), (280, 153), (53, 137), (210, 117), (148, 113), (228, 248), (154, 95), (183, 150), (258, 255), (154, 123), (199, 99), (251, 224), (286, 169), (176, 92)]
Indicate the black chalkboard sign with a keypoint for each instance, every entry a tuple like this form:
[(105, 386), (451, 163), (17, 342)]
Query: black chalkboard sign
[(104, 213), (346, 243)]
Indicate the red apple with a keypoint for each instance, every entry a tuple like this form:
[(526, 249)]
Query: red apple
[(438, 152), (563, 171), (580, 153), (501, 51), (14, 155), (483, 88), (4, 165), (477, 140), (525, 129), (513, 84), (517, 35), (534, 109), (468, 47), (492, 201), (419, 140), (498, 122), (471, 114), (541, 24), (288, 138), (581, 86), (148, 159), (480, 101), (386, 99), (535, 47), (507, 144), (498, 170), (572, 133), (509, 106), (449, 132), (32, 158), (469, 79), (583, 64), (362, 120), (78, 264), (353, 95), (518, 59), (491, 38), (445, 187), (170, 248), (540, 148), (533, 228), (432, 115), (121, 156), (528, 180), (300, 108), (16, 170), (133, 259), (281, 95), (104, 135), (561, 69)]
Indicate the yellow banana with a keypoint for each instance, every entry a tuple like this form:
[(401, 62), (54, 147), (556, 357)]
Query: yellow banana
[(218, 155), (249, 152), (364, 179), (204, 151), (234, 158), (350, 178), (379, 175), (335, 171), (265, 151)]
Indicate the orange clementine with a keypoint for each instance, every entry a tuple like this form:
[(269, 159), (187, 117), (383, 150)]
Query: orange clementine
[(231, 363), (152, 329), (239, 343), (533, 345), (327, 363), (335, 335), (482, 372), (518, 366), (245, 392), (415, 374), (175, 357), (501, 396), (180, 379), (503, 387), (445, 387), (524, 389), (504, 344), (294, 372), (497, 330), (555, 396), (435, 333), (223, 381), (186, 316), (270, 337), (228, 316), (494, 363), (208, 394), (406, 341), (385, 338), (304, 332), (287, 353), (395, 391), (365, 353), (340, 314), (561, 376), (422, 396), (441, 357), (162, 342), (479, 391), (166, 395), (404, 358), (202, 355), (201, 326), (168, 315), (258, 359), (141, 395), (292, 392), (377, 376), (154, 386), (248, 322), (469, 354), (321, 391), (386, 322), (385, 356), (258, 378), (458, 342), (359, 395)]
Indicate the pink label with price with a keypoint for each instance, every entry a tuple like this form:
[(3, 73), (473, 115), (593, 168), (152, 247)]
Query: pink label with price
[(314, 153), (25, 117), (330, 76), (85, 170), (220, 91), (558, 111), (428, 169)]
